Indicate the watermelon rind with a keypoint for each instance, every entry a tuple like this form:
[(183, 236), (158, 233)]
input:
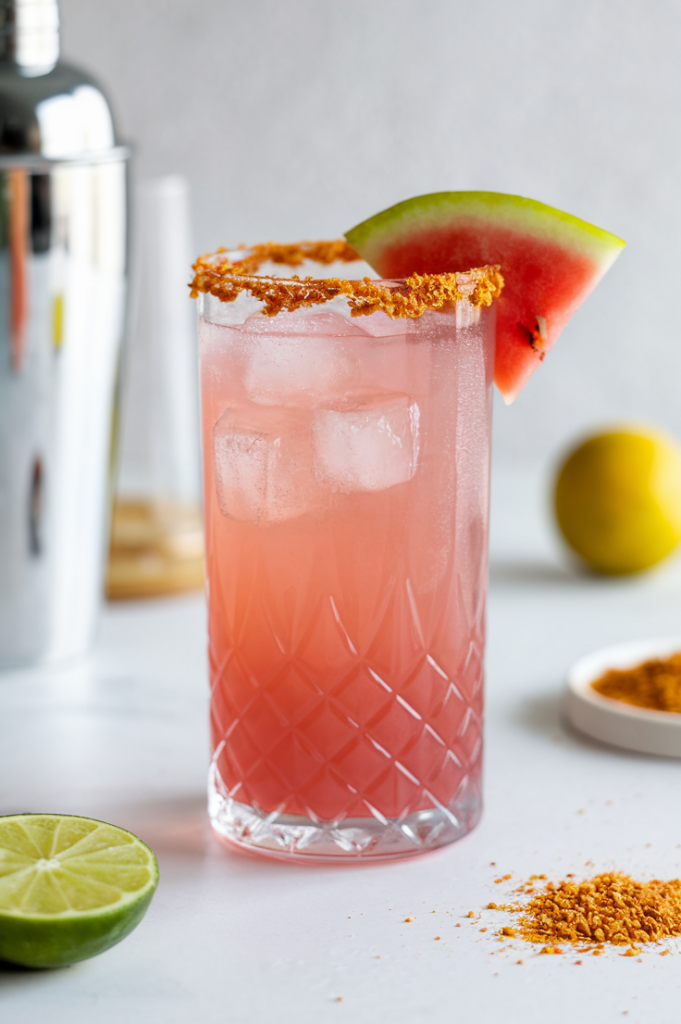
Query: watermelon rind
[(550, 261), (413, 215)]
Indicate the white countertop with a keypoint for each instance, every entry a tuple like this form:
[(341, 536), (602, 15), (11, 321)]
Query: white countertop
[(234, 938)]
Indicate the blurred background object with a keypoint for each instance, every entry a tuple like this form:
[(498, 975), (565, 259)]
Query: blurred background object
[(618, 499), (157, 534), (300, 118), (62, 292)]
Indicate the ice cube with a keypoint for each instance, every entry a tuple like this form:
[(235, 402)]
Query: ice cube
[(367, 442), (380, 325), (263, 464), (294, 370)]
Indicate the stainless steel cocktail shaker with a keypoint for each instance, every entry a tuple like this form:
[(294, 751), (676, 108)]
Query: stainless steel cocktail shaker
[(62, 296)]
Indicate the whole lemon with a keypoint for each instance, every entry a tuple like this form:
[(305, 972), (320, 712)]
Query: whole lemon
[(618, 499)]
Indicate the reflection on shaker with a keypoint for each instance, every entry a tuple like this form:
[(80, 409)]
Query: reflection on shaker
[(35, 513), (41, 207), (18, 229)]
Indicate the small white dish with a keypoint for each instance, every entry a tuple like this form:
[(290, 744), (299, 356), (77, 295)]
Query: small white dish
[(613, 721)]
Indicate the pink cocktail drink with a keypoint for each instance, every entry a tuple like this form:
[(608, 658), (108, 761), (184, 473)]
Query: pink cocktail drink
[(346, 464)]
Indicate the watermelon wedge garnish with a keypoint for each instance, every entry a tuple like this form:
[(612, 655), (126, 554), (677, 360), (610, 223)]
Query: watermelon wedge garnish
[(550, 262)]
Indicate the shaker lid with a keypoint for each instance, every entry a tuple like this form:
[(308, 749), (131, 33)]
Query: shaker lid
[(49, 111), (29, 34)]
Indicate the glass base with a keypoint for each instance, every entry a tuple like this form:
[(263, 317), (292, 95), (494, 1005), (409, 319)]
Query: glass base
[(295, 837)]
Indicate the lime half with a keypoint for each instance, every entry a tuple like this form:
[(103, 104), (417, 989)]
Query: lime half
[(69, 887)]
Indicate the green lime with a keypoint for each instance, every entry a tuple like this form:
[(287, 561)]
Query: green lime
[(618, 499), (69, 887)]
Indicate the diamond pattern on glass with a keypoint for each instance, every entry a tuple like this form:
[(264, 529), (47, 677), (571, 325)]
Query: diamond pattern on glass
[(360, 749), (347, 627)]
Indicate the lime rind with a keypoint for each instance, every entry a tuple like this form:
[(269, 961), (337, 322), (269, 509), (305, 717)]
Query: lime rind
[(69, 887), (413, 216), (70, 939)]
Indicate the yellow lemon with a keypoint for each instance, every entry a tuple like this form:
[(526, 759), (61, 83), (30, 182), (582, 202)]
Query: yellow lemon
[(618, 499)]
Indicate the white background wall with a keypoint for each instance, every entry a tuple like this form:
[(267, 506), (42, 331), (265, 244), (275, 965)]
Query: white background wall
[(298, 118)]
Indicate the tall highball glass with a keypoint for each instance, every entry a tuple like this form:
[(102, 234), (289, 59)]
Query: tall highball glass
[(346, 474)]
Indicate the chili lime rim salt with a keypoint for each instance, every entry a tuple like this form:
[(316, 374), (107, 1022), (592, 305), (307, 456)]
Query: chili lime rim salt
[(227, 274), (654, 684), (616, 722)]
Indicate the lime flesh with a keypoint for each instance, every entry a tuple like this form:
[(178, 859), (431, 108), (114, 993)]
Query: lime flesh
[(70, 887)]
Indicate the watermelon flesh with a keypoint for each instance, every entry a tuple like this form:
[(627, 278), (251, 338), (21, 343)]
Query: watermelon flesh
[(550, 262)]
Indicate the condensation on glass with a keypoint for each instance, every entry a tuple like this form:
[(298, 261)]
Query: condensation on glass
[(346, 475)]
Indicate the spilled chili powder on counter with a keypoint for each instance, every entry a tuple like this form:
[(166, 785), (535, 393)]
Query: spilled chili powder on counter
[(655, 684), (609, 908)]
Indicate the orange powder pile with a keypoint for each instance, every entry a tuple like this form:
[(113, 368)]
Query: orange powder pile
[(226, 276), (610, 908), (655, 684)]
